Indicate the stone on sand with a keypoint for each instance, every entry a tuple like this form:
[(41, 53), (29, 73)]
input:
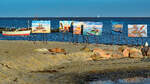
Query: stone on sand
[(116, 55), (126, 52), (100, 54), (135, 53), (121, 49), (57, 50), (133, 50), (41, 50), (85, 49)]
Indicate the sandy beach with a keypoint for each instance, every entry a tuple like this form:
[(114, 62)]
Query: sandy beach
[(21, 62)]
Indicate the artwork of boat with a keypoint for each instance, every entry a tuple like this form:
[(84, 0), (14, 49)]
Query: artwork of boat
[(16, 33), (117, 27), (94, 31), (40, 27), (137, 30), (117, 30)]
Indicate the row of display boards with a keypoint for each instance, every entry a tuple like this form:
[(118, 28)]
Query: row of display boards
[(89, 28)]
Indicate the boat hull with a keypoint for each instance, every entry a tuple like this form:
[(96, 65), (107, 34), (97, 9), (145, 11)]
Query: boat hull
[(16, 33)]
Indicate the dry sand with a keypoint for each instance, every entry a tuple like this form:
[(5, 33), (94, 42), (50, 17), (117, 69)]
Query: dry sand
[(20, 63)]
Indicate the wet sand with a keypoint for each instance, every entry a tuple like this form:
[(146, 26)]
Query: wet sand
[(20, 63)]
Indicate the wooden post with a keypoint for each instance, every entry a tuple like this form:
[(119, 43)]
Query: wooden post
[(142, 40), (112, 36), (34, 37), (137, 42), (86, 39), (77, 36), (95, 37), (43, 37), (119, 39), (46, 38), (72, 37), (63, 36)]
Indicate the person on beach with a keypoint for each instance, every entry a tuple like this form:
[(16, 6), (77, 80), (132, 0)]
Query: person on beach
[(82, 26), (71, 31), (71, 27), (144, 49)]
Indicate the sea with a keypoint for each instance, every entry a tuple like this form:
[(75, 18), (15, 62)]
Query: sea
[(108, 36)]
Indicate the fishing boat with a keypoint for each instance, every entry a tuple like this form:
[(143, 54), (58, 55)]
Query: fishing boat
[(16, 33)]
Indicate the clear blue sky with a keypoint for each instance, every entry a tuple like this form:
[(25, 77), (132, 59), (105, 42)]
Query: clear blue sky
[(114, 8)]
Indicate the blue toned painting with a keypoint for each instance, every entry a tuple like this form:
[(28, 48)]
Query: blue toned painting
[(117, 27), (92, 28), (41, 27)]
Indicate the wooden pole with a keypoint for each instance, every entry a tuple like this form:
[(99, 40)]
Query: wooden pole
[(63, 36), (112, 36), (96, 40), (72, 37), (46, 38), (42, 37), (87, 39), (34, 39)]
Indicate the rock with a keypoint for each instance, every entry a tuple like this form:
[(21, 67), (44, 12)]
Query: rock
[(85, 49), (57, 50), (135, 53), (41, 50), (98, 50), (89, 59), (133, 50), (121, 49), (126, 52), (96, 57), (116, 56), (100, 54)]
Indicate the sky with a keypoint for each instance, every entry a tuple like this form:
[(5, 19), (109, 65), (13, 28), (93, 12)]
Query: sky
[(75, 8)]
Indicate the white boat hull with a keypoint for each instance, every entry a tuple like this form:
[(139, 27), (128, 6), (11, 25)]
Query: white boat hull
[(16, 33)]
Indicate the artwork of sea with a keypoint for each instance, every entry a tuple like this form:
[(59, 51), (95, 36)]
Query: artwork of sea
[(117, 26), (137, 30), (64, 26), (92, 28), (41, 27)]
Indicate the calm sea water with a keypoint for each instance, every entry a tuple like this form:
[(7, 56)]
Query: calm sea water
[(135, 80), (107, 37)]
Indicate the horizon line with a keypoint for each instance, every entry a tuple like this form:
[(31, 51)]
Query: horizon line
[(74, 17)]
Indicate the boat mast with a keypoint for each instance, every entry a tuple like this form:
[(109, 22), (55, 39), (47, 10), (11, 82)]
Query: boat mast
[(28, 24)]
